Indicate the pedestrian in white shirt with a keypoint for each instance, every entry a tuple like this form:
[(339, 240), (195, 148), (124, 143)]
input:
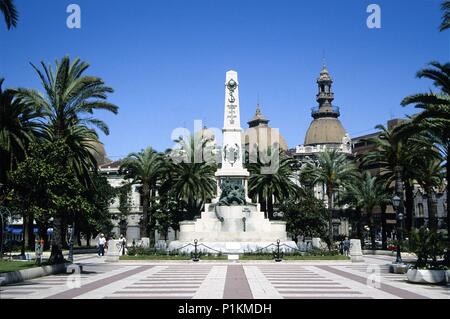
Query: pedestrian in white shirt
[(101, 245)]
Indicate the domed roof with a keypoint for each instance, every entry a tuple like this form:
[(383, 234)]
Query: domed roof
[(325, 130)]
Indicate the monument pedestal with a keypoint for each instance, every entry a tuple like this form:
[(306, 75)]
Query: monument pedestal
[(243, 229), (355, 250), (113, 252)]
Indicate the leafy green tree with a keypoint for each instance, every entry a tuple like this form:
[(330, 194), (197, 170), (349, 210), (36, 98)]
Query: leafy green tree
[(277, 183), (334, 170), (167, 213), (144, 168), (305, 215), (123, 194), (8, 8), (100, 195), (44, 187), (124, 197)]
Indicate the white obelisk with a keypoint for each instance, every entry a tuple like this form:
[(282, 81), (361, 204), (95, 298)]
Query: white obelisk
[(232, 153)]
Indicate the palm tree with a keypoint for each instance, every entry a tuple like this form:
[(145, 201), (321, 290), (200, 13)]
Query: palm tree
[(445, 24), (19, 125), (192, 181), (68, 104), (334, 170), (396, 156), (9, 11), (273, 185), (435, 116), (368, 192), (144, 168)]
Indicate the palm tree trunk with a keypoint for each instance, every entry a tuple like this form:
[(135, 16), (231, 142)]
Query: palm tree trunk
[(149, 228), (448, 202), (270, 205), (144, 226), (359, 230), (79, 237), (330, 216), (431, 205), (56, 256), (262, 201), (372, 228), (30, 244), (409, 205), (383, 228)]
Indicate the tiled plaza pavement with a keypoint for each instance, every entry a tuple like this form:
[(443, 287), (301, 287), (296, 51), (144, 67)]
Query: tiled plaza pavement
[(263, 280)]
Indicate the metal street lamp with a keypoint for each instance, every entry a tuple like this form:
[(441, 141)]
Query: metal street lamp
[(397, 203), (71, 233)]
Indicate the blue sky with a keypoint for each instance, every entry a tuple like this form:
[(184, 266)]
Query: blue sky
[(167, 59)]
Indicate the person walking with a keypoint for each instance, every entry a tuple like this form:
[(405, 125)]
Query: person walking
[(346, 245), (101, 245), (123, 242)]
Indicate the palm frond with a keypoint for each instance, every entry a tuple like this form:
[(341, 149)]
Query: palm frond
[(10, 13)]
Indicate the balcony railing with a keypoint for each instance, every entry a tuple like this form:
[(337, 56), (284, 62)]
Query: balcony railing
[(333, 111)]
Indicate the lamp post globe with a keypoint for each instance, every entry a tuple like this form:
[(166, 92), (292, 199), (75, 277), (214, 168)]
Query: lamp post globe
[(396, 201)]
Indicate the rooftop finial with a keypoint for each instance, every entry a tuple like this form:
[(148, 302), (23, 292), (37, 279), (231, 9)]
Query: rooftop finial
[(324, 66), (258, 110)]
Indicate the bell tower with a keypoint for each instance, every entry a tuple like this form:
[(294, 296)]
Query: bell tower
[(325, 96)]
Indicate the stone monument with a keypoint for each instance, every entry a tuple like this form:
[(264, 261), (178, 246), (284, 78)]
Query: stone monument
[(231, 223), (355, 250), (114, 250)]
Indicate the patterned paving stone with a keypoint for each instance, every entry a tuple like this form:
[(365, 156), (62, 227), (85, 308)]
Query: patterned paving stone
[(171, 282), (303, 283), (263, 280)]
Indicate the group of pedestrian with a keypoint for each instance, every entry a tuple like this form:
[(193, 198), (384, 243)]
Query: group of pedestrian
[(102, 244)]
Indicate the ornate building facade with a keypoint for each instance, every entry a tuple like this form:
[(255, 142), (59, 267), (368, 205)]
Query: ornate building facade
[(326, 132)]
